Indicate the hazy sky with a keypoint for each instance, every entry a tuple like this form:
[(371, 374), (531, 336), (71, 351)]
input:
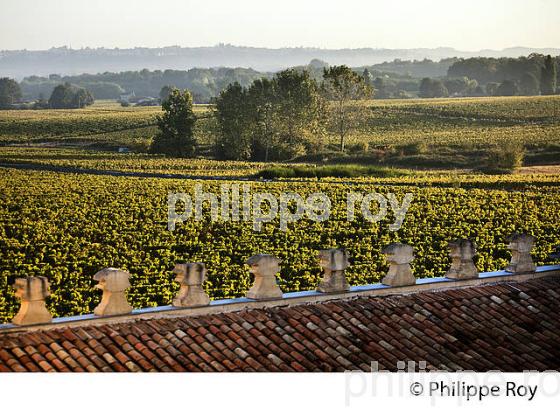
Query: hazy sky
[(463, 24)]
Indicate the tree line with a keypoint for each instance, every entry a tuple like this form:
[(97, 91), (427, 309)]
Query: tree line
[(272, 119), (532, 75), (204, 83), (63, 96)]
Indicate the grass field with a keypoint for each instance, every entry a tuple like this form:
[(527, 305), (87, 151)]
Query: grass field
[(449, 133)]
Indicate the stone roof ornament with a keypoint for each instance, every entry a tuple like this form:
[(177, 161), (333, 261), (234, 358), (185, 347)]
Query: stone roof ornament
[(113, 282), (264, 268), (462, 252), (32, 291), (191, 277), (399, 257), (521, 245), (334, 262)]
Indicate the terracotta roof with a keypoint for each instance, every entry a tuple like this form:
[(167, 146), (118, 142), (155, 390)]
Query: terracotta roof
[(508, 326)]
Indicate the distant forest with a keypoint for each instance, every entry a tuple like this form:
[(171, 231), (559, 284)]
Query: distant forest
[(396, 79)]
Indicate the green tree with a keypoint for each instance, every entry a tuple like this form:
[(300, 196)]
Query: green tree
[(262, 104), (432, 88), (10, 92), (460, 86), (528, 84), (382, 88), (234, 122), (176, 126), (103, 90), (457, 86), (300, 111), (70, 96), (548, 76), (81, 98), (345, 88), (272, 119), (60, 97), (165, 92), (507, 88)]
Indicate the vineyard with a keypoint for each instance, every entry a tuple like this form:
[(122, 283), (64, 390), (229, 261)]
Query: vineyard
[(67, 227), (431, 133)]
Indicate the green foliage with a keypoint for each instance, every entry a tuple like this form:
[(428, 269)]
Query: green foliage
[(10, 92), (548, 76), (327, 171), (233, 116), (361, 147), (165, 92), (529, 84), (415, 148), (486, 70), (300, 109), (505, 158), (432, 88), (176, 126), (67, 95), (204, 83), (461, 86), (343, 86), (507, 89), (272, 119), (101, 90)]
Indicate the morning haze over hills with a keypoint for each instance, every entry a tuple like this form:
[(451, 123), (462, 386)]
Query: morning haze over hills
[(67, 61)]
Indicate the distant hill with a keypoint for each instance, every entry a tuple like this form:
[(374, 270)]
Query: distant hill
[(66, 61)]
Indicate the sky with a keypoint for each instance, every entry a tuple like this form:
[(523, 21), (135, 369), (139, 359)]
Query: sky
[(463, 24)]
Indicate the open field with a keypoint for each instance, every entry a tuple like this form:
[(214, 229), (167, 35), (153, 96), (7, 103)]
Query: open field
[(449, 133)]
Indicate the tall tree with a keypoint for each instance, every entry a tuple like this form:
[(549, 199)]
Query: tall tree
[(10, 92), (300, 110), (345, 88), (548, 76), (234, 122), (262, 100), (176, 126)]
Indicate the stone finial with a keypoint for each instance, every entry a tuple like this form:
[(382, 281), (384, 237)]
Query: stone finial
[(32, 291), (521, 246), (333, 262), (191, 276), (462, 252), (113, 282), (399, 257), (264, 268)]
